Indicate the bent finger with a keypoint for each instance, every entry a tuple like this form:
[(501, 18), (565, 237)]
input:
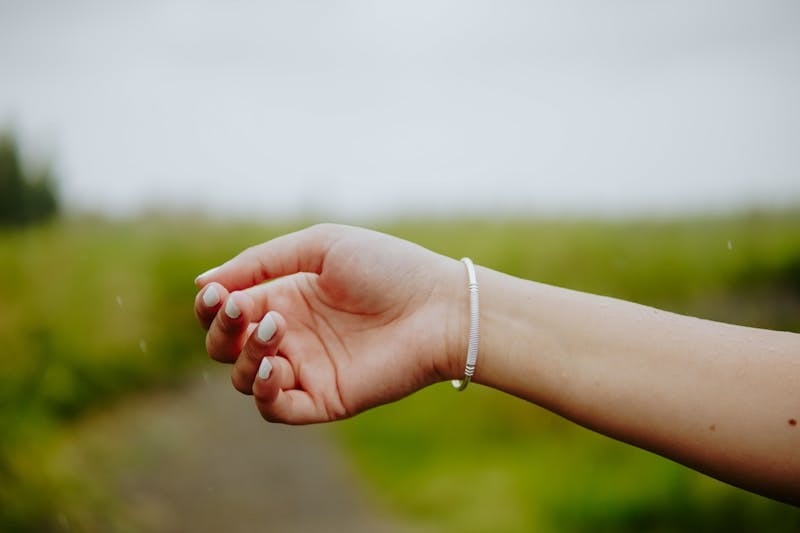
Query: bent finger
[(231, 327), (274, 375), (207, 303), (292, 406), (262, 342)]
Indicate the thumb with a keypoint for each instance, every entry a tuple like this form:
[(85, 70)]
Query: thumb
[(301, 251)]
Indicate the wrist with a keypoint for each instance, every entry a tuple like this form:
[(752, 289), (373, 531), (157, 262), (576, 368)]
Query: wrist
[(454, 293)]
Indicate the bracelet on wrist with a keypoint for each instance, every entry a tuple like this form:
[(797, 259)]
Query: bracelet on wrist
[(474, 327)]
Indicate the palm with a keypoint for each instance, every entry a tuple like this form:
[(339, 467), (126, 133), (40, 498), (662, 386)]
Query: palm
[(356, 330)]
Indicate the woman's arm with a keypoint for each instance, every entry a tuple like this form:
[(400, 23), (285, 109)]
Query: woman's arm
[(719, 398), (358, 319)]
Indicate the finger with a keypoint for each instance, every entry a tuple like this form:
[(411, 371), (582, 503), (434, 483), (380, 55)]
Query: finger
[(274, 375), (207, 303), (231, 327), (292, 406), (301, 251), (279, 295), (262, 342)]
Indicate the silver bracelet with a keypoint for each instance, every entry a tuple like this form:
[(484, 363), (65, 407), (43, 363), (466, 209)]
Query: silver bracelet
[(474, 331)]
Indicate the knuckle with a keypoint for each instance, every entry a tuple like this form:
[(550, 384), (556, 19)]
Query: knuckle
[(322, 227), (250, 355), (226, 325), (325, 229), (214, 351), (239, 382), (268, 415), (211, 347), (203, 317)]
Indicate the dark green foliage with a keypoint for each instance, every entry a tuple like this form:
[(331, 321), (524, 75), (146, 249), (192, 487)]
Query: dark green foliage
[(91, 311), (26, 196)]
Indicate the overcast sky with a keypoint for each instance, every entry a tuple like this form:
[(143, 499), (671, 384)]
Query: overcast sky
[(359, 109)]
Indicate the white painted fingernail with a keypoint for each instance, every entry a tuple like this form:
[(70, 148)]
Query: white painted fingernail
[(211, 296), (266, 329), (206, 273), (264, 369), (231, 309)]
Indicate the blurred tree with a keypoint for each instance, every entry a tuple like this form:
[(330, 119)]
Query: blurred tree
[(26, 195)]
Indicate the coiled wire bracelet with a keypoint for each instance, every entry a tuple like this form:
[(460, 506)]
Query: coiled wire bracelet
[(474, 327)]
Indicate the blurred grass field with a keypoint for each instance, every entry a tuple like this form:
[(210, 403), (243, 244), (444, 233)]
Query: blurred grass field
[(96, 310)]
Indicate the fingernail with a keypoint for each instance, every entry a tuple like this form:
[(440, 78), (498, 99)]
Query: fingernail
[(206, 273), (231, 309), (266, 329), (211, 296), (264, 369)]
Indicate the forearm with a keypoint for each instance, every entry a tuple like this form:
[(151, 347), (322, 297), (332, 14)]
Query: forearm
[(723, 399)]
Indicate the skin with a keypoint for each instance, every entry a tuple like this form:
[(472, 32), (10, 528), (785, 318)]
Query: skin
[(365, 319)]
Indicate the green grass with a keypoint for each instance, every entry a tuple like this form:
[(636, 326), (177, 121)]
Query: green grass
[(94, 310)]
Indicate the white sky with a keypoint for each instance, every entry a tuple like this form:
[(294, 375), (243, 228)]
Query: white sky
[(362, 109)]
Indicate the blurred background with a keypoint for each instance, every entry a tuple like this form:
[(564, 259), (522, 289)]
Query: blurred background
[(642, 150)]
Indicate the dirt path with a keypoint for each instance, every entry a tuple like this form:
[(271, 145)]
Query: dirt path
[(201, 459)]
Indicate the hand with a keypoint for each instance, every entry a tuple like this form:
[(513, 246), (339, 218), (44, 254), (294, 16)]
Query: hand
[(352, 319)]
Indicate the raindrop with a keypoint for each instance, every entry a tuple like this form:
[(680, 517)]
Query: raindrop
[(730, 244), (143, 345), (119, 301)]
